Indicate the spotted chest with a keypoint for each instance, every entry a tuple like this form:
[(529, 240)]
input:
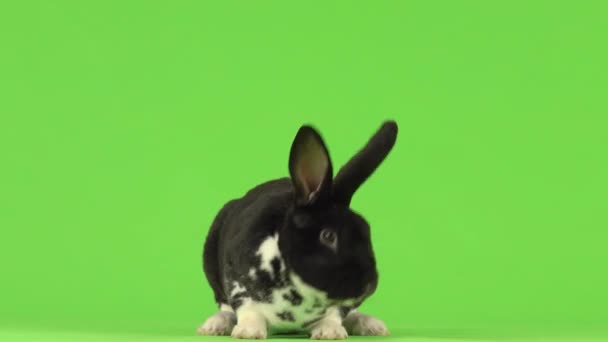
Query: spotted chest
[(280, 296), (290, 308)]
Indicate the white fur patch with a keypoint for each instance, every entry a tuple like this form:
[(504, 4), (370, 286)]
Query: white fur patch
[(237, 289), (226, 307), (251, 324), (268, 250), (252, 274)]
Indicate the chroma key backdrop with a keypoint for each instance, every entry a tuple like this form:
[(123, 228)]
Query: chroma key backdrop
[(126, 125)]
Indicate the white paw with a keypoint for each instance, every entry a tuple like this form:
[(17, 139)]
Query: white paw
[(219, 324), (365, 325), (249, 330), (328, 331)]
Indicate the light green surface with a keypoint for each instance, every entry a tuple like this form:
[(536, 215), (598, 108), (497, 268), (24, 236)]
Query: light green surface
[(125, 125), (427, 336)]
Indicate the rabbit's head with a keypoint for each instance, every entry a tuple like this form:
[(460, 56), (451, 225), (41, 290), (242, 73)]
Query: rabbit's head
[(326, 243)]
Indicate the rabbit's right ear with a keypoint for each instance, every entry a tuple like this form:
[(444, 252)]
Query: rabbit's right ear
[(310, 168)]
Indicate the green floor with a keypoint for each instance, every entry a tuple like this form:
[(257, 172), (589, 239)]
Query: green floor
[(32, 335), (180, 332)]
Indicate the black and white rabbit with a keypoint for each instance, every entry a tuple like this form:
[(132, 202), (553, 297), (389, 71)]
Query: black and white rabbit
[(290, 255)]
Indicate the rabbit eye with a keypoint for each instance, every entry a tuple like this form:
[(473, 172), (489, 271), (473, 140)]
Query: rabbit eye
[(329, 238)]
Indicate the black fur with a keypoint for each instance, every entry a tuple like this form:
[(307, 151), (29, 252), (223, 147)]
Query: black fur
[(363, 164), (293, 297), (298, 209), (286, 316)]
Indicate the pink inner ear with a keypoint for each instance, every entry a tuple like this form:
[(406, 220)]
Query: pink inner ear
[(311, 167), (311, 172), (304, 180)]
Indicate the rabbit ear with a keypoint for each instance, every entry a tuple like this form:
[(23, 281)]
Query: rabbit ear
[(362, 165), (310, 167)]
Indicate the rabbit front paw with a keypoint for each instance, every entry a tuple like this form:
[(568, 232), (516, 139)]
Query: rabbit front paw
[(328, 330), (219, 324)]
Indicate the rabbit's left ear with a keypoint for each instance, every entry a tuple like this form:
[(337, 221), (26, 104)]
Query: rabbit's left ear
[(310, 167), (364, 163)]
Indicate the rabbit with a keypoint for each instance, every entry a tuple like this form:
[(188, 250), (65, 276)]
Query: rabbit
[(290, 256)]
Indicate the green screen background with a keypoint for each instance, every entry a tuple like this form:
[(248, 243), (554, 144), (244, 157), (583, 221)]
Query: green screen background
[(126, 125)]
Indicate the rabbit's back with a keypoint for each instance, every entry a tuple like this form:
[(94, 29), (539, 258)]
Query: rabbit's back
[(239, 229)]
